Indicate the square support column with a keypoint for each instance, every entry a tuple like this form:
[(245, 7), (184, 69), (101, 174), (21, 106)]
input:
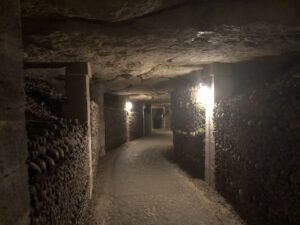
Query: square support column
[(148, 119), (209, 138), (78, 106), (97, 121), (78, 91), (14, 185)]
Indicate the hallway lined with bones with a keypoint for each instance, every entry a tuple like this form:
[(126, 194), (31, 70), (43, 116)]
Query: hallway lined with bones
[(140, 184), (149, 112)]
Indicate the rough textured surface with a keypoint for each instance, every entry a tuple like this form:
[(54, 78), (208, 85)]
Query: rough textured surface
[(58, 160), (134, 56), (97, 147), (103, 10), (167, 117), (14, 199), (54, 76), (97, 123), (115, 121), (121, 126), (188, 125), (140, 185), (257, 150), (136, 123)]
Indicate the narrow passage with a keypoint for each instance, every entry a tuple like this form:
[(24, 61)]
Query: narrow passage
[(139, 184)]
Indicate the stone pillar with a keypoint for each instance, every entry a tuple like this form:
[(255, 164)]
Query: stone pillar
[(209, 139), (144, 128), (78, 106), (164, 118), (78, 91), (148, 119), (222, 84), (128, 118), (168, 117), (14, 187), (97, 121), (223, 88)]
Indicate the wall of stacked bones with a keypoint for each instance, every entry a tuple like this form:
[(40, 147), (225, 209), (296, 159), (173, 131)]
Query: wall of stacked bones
[(256, 139), (257, 150), (188, 125), (120, 125), (58, 159)]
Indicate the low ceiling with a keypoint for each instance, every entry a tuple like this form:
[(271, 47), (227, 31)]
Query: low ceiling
[(135, 45)]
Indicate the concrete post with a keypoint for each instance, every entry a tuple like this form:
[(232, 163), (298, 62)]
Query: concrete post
[(78, 107)]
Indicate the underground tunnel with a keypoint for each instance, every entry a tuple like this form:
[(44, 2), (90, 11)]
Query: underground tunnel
[(155, 112)]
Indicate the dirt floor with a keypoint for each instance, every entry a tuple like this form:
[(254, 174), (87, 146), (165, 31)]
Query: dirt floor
[(138, 184)]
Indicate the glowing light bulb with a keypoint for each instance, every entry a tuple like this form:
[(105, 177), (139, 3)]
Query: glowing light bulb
[(204, 95), (128, 106)]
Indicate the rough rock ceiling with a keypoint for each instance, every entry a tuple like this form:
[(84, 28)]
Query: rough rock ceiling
[(133, 55), (100, 10)]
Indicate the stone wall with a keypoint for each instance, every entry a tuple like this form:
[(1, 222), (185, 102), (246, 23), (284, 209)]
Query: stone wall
[(115, 121), (121, 126), (167, 117), (188, 125), (97, 124), (257, 150), (14, 199), (136, 121), (58, 160), (54, 76), (148, 119)]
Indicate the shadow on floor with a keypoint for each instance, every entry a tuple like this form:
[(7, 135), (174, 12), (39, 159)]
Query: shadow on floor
[(188, 167)]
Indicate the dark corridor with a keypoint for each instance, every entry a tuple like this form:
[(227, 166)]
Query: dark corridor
[(158, 116)]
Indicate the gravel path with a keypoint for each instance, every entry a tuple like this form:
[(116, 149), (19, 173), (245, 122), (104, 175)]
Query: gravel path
[(138, 185)]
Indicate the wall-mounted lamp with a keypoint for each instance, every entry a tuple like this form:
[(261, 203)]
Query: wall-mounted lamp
[(128, 106), (204, 95)]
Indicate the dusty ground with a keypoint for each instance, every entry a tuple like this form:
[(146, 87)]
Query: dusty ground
[(138, 184)]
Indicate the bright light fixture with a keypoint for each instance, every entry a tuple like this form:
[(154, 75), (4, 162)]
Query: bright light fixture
[(128, 106), (204, 95)]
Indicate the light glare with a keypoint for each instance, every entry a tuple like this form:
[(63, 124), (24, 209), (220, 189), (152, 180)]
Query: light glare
[(204, 95), (128, 106)]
